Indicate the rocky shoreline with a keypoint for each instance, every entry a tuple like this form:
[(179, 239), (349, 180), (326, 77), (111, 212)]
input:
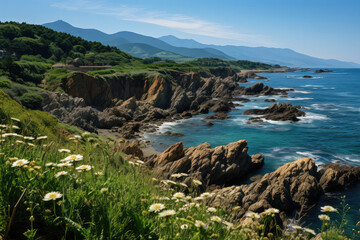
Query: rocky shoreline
[(125, 106)]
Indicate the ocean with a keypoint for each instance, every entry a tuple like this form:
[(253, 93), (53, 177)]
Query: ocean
[(330, 131)]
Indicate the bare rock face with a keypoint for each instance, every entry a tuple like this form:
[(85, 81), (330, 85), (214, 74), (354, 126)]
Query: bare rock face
[(220, 165), (278, 112), (260, 89), (287, 188), (130, 148), (335, 177)]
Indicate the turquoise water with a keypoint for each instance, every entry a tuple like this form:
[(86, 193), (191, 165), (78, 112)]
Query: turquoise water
[(330, 131)]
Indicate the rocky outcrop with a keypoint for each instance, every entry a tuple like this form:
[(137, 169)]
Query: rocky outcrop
[(294, 185), (270, 100), (323, 71), (130, 148), (286, 189), (277, 112), (220, 165), (335, 177), (307, 76), (260, 89), (74, 111), (218, 116)]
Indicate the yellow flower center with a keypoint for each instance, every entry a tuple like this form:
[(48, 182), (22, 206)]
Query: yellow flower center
[(53, 195), (73, 157)]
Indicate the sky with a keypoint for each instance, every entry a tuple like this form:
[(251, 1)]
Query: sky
[(327, 29)]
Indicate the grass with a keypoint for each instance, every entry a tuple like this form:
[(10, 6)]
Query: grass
[(111, 195)]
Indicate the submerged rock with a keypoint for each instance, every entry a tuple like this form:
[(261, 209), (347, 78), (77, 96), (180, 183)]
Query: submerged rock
[(323, 71), (218, 116)]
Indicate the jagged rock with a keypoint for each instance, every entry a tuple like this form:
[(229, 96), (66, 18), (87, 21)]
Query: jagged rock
[(335, 177), (220, 165), (130, 148), (260, 89), (323, 71), (129, 130), (278, 112), (292, 185), (269, 100), (218, 116), (180, 101)]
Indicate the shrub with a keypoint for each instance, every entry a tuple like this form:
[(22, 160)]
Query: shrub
[(5, 82), (31, 100)]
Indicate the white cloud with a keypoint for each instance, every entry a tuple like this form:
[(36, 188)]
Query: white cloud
[(179, 22)]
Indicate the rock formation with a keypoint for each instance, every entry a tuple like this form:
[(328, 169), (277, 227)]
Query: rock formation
[(260, 89), (220, 165), (277, 112)]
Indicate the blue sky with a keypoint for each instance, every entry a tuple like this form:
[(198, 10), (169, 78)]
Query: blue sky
[(320, 28)]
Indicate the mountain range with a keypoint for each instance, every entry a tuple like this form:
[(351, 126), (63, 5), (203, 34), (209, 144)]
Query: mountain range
[(173, 48)]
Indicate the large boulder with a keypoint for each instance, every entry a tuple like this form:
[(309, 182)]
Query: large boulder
[(293, 185), (220, 165), (335, 177), (278, 112), (130, 148)]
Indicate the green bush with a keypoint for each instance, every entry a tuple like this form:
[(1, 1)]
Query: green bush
[(5, 82), (31, 100)]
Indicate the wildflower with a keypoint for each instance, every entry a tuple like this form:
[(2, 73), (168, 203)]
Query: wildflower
[(140, 162), (50, 164), (99, 173), (15, 119), (164, 198), (156, 207), (167, 213), (169, 181), (18, 141), (31, 145), (37, 167), (41, 138), (48, 211), (29, 138), (297, 227), (3, 126), (215, 219), (64, 150), (176, 175), (154, 179), (13, 159), (72, 158), (65, 164), (31, 219), (15, 127), (20, 163), (252, 215), (104, 190), (228, 224), (200, 224), (324, 217), (308, 230), (131, 163), (211, 209), (197, 182), (83, 168), (52, 196), (198, 199), (272, 211), (206, 194), (178, 195), (61, 173), (184, 226), (183, 184), (328, 209)]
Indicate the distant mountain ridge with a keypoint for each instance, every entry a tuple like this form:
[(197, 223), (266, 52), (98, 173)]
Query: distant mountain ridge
[(281, 56), (171, 47), (129, 42)]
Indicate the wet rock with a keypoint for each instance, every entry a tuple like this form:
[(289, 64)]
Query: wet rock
[(270, 100), (260, 89), (336, 177), (323, 71), (278, 112), (218, 116), (209, 124), (307, 76)]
